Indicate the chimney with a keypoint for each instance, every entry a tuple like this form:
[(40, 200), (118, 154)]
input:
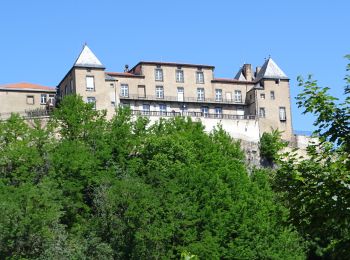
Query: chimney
[(247, 71), (257, 70), (126, 69)]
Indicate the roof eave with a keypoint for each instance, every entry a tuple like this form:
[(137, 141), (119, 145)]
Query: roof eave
[(232, 81), (92, 66), (29, 90), (274, 77)]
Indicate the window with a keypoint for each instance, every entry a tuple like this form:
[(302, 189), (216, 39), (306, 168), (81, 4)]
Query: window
[(283, 114), (159, 92), (30, 100), (90, 83), (71, 86), (92, 100), (180, 76), (218, 112), (262, 95), (262, 112), (159, 74), (238, 96), (218, 94), (146, 109), (183, 108), (240, 111), (51, 99), (113, 98), (141, 90), (125, 105), (124, 90), (200, 94), (180, 94), (43, 99), (200, 77), (205, 111), (272, 95), (162, 109)]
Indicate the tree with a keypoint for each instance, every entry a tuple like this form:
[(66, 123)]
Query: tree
[(87, 188), (270, 144), (332, 119), (316, 189), (190, 191)]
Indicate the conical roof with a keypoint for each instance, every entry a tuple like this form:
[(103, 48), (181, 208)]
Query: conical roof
[(270, 70), (88, 59)]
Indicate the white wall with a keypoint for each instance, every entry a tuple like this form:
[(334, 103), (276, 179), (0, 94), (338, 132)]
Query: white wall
[(247, 130)]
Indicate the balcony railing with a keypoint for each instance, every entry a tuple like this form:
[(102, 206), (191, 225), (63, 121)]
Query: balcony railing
[(190, 114), (182, 99), (28, 114)]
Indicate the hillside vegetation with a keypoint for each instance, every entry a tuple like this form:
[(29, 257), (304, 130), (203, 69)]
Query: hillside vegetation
[(85, 188)]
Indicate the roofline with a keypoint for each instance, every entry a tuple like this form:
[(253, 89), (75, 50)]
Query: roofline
[(269, 77), (232, 81), (173, 64), (28, 90), (120, 74), (89, 66), (219, 80), (65, 76)]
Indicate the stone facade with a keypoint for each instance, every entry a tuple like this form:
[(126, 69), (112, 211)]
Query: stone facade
[(23, 98), (246, 105)]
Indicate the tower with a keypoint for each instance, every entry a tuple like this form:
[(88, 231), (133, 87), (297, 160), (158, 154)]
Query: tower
[(272, 95)]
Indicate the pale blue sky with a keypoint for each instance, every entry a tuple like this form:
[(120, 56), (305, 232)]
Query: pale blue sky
[(40, 40)]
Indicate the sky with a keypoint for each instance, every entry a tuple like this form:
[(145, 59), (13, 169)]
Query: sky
[(40, 40)]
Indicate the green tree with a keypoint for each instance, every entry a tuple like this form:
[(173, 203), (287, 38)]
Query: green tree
[(86, 188), (190, 191), (316, 189), (270, 145)]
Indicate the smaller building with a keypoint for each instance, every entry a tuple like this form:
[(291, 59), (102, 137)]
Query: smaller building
[(24, 98)]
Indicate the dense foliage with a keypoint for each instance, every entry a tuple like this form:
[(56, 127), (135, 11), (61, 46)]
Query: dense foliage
[(270, 145), (83, 187), (316, 188)]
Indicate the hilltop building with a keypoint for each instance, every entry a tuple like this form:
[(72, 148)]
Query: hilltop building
[(246, 105)]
